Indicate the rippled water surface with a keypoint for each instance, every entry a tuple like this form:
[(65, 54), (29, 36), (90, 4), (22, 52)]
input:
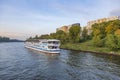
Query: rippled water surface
[(19, 63)]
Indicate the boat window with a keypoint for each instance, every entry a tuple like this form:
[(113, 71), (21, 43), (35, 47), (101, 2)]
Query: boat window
[(53, 42), (44, 42), (49, 42), (52, 47)]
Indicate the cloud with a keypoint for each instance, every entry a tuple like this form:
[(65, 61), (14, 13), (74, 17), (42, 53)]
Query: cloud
[(115, 12), (14, 20)]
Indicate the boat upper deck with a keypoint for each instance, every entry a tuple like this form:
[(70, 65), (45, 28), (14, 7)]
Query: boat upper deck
[(45, 41)]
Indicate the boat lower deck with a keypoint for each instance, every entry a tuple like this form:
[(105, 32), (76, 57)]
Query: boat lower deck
[(45, 51)]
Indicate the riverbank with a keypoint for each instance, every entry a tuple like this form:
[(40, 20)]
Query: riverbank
[(88, 47)]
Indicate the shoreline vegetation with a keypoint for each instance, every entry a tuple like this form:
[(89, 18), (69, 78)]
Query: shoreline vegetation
[(7, 39), (88, 47), (103, 38)]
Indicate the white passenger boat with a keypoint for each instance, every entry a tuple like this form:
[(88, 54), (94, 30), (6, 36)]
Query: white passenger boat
[(44, 45)]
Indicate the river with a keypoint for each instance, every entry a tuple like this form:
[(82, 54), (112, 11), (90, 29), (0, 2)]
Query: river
[(19, 63)]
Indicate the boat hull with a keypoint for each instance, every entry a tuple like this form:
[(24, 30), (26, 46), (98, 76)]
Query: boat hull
[(54, 52)]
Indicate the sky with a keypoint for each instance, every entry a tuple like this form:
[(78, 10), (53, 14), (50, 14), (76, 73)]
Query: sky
[(20, 19)]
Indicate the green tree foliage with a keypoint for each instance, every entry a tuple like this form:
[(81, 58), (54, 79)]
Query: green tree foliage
[(29, 39), (53, 36), (36, 37), (118, 41), (85, 34), (46, 36), (98, 34), (97, 41), (99, 29), (2, 39), (113, 26), (106, 33), (117, 33), (62, 36), (74, 33), (111, 41)]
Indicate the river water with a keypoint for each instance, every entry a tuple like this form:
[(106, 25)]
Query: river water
[(19, 63)]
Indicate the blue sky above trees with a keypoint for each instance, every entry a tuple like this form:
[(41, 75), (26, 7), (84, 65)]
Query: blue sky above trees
[(23, 18)]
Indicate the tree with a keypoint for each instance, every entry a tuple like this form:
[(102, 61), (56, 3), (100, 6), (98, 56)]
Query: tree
[(62, 36), (84, 34), (74, 33), (36, 37), (118, 41), (53, 36), (112, 27), (45, 36), (111, 41), (98, 42), (117, 34), (60, 32), (106, 30), (99, 29)]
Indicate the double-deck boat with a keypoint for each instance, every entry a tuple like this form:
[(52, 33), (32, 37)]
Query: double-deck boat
[(44, 45)]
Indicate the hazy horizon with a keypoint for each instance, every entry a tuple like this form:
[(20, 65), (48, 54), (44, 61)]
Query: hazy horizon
[(20, 19)]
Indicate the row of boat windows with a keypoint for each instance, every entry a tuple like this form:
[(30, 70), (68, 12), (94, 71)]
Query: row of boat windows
[(52, 42), (52, 47)]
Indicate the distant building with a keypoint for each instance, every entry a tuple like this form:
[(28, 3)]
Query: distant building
[(66, 28), (76, 24), (63, 28), (90, 23)]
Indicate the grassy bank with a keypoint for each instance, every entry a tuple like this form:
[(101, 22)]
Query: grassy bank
[(87, 46)]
